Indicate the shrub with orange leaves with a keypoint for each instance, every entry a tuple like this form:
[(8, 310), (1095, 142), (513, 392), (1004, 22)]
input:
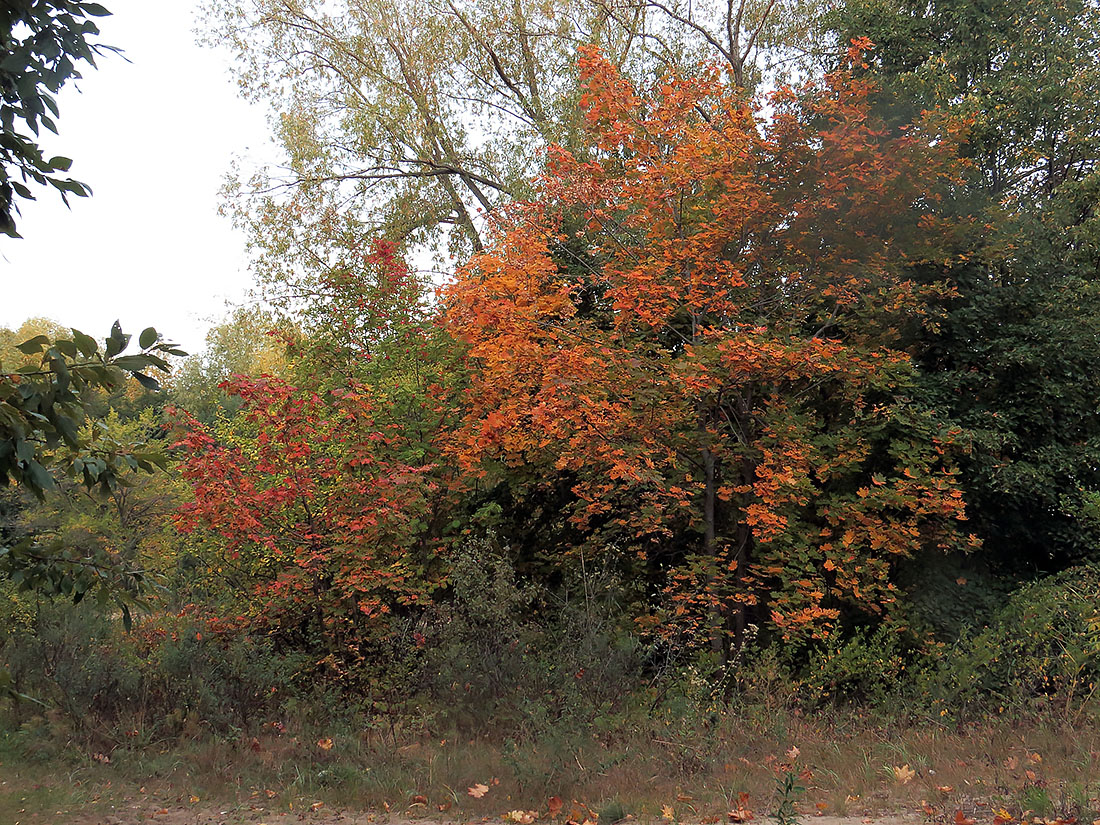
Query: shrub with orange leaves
[(697, 324)]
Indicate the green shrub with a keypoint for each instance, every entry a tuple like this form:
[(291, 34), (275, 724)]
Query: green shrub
[(1041, 650), (862, 666)]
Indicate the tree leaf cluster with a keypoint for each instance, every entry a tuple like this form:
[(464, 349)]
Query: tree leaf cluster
[(42, 44)]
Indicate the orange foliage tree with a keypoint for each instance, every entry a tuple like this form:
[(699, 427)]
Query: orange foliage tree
[(699, 323)]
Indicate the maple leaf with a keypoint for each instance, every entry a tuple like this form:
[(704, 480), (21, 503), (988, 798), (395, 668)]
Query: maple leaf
[(740, 813), (521, 817), (477, 791), (668, 813), (963, 819), (325, 744), (904, 774)]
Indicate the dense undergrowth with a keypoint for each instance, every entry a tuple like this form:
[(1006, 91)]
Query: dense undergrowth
[(507, 659)]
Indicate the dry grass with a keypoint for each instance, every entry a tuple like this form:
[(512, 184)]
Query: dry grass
[(850, 766)]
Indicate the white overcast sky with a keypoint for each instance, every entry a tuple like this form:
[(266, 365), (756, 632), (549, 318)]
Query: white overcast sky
[(154, 138)]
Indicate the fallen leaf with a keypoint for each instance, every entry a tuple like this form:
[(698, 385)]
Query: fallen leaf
[(271, 794), (962, 819), (521, 817), (444, 806), (477, 791), (1031, 776), (419, 799), (1035, 759), (324, 744), (193, 799), (928, 809), (316, 806), (683, 797), (667, 812), (740, 813), (554, 806), (945, 788), (1012, 763), (1002, 817), (793, 752), (904, 774)]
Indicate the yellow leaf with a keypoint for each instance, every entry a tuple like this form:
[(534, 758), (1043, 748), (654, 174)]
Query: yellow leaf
[(667, 812), (324, 744), (478, 791), (904, 774)]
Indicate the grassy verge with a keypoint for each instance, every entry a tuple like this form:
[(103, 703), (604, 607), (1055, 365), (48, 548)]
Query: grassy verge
[(840, 765)]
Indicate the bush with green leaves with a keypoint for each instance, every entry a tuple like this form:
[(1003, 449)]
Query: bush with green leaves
[(1039, 652)]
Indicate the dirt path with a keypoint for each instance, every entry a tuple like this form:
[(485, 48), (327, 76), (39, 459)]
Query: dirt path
[(148, 811)]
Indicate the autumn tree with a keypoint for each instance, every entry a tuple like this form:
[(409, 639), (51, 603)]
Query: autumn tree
[(720, 373), (411, 120)]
